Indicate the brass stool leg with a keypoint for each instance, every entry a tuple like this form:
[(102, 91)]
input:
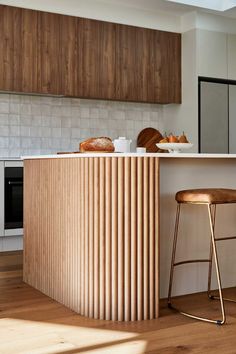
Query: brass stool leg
[(211, 214), (211, 255), (211, 219), (173, 253)]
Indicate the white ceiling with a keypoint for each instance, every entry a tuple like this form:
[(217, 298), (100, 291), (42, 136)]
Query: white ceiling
[(155, 6), (174, 7)]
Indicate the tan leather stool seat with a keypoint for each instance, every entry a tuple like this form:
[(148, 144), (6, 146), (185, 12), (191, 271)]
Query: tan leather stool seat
[(206, 195)]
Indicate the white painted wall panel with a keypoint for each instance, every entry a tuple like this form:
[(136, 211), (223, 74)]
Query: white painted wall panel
[(212, 54)]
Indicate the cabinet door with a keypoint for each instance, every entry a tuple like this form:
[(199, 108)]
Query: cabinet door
[(69, 56), (30, 51), (170, 67), (214, 127), (10, 48), (126, 65), (49, 59), (96, 58), (148, 65)]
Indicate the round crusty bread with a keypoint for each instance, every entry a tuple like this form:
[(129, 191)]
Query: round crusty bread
[(97, 144)]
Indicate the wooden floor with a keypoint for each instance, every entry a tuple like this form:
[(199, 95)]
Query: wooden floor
[(32, 323)]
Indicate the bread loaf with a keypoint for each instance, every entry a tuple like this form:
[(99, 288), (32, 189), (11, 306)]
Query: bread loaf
[(97, 144)]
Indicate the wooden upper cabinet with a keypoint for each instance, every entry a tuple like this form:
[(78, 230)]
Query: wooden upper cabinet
[(49, 58), (96, 57), (48, 53), (170, 67), (30, 52), (69, 56), (148, 65), (10, 48), (135, 76)]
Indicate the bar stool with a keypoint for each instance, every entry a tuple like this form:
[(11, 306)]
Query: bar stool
[(209, 197)]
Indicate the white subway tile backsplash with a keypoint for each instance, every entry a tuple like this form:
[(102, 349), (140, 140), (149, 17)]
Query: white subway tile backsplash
[(4, 120), (56, 132), (13, 119), (25, 120), (4, 107), (25, 109), (46, 121), (14, 142), (75, 122), (65, 132), (56, 122), (4, 130), (35, 131), (46, 132), (25, 142), (24, 131), (4, 142), (14, 130), (84, 112), (66, 122), (42, 125), (14, 108)]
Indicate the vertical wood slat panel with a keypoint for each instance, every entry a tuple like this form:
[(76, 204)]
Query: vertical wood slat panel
[(140, 239), (96, 237), (101, 238), (151, 237), (145, 238), (91, 237), (108, 240), (127, 240), (156, 238), (82, 237), (86, 236), (78, 236), (133, 239), (120, 216), (114, 256)]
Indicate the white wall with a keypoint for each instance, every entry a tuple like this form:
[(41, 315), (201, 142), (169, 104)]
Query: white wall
[(105, 11), (184, 117)]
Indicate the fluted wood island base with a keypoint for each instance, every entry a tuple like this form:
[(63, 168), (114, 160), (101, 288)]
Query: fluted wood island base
[(91, 233)]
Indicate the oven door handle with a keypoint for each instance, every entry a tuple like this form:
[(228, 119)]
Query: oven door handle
[(13, 183)]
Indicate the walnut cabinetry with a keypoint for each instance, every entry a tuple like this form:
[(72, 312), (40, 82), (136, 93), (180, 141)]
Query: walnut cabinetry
[(55, 54)]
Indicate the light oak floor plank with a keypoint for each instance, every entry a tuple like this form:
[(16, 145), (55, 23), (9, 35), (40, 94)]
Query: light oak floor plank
[(32, 323)]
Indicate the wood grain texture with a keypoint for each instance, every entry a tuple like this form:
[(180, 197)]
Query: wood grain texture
[(10, 48), (56, 54), (69, 63), (41, 325), (96, 58), (30, 51), (148, 138), (91, 234), (49, 55)]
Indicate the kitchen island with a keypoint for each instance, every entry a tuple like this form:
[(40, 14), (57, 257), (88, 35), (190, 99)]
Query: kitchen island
[(91, 233), (96, 224)]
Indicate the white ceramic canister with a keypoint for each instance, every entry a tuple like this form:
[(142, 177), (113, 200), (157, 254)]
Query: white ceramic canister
[(122, 144)]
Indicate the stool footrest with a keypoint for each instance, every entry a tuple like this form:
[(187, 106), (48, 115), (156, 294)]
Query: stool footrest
[(214, 297), (225, 238), (218, 322), (192, 261)]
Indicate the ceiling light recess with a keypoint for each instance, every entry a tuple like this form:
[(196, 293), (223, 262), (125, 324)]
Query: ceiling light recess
[(218, 5)]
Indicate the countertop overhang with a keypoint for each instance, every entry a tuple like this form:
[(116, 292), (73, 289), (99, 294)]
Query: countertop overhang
[(133, 154)]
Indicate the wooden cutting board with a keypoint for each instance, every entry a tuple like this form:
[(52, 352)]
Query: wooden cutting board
[(148, 138)]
